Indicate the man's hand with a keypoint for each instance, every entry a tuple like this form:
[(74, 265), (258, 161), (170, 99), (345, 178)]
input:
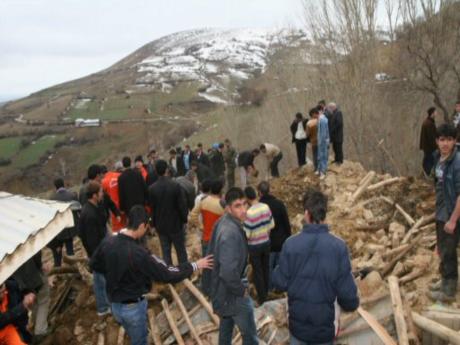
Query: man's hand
[(46, 267), (450, 226), (205, 263), (118, 219), (29, 300)]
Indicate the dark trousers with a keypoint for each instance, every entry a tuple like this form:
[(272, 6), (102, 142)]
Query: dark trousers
[(314, 151), (57, 251), (447, 249), (428, 162), (274, 165), (260, 262), (338, 152), (230, 177), (176, 239), (301, 148)]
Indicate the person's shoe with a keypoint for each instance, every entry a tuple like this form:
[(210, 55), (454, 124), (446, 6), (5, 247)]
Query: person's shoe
[(440, 296), (446, 292), (316, 172), (322, 176), (104, 313)]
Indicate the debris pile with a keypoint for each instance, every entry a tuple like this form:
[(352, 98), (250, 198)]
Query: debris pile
[(388, 224)]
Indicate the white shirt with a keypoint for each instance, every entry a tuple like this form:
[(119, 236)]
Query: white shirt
[(300, 134)]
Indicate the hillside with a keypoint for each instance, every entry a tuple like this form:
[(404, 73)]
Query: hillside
[(155, 97)]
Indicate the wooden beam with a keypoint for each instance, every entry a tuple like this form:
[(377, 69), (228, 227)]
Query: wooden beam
[(388, 267), (172, 323), (398, 310), (415, 228), (416, 273), (441, 331), (406, 215), (377, 327), (199, 296), (182, 308), (388, 254), (413, 333), (385, 183), (363, 186), (154, 328)]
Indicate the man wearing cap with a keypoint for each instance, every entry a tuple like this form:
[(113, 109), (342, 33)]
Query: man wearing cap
[(132, 189)]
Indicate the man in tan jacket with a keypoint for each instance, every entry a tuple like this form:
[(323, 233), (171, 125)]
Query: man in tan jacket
[(273, 155)]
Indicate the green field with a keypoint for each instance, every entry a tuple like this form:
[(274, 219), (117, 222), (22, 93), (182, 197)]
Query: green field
[(9, 147), (32, 153)]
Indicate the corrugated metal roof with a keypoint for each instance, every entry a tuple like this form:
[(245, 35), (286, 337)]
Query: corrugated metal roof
[(26, 226)]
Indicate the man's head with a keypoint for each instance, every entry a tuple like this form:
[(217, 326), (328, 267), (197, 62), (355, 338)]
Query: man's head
[(172, 153), (118, 166), (227, 142), (126, 162), (206, 186), (255, 152), (298, 116), (221, 147), (194, 166), (161, 167), (457, 106), (94, 192), (431, 112), (59, 183), (446, 138), (314, 113), (216, 186), (263, 188), (138, 221), (187, 148), (152, 156), (315, 206), (332, 107), (263, 149), (199, 146), (322, 104), (94, 173), (250, 194), (236, 204), (139, 162)]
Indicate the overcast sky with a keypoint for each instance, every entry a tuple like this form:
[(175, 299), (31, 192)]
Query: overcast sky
[(45, 42)]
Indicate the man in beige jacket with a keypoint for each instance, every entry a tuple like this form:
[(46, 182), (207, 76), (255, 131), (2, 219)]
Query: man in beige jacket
[(273, 155)]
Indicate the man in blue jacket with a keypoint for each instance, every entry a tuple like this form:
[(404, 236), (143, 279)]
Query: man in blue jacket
[(447, 187), (315, 270)]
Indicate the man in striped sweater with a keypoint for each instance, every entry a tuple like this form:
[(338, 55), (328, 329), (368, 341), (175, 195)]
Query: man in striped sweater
[(258, 224)]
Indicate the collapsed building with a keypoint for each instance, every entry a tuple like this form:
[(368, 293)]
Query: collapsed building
[(388, 223)]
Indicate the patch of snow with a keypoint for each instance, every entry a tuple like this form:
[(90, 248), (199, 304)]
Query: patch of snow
[(81, 103), (212, 98)]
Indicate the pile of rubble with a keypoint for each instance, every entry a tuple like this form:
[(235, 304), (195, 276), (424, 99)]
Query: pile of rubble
[(389, 226)]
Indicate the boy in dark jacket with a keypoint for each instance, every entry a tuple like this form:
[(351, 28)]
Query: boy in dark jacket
[(428, 141), (315, 270)]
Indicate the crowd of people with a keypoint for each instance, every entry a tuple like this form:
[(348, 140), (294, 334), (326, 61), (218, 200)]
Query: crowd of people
[(115, 211)]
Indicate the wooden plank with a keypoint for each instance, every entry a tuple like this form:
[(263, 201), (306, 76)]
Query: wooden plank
[(385, 183), (185, 314), (377, 327), (441, 331), (121, 336), (398, 310), (172, 323), (154, 328), (388, 267), (363, 186), (406, 215), (199, 296)]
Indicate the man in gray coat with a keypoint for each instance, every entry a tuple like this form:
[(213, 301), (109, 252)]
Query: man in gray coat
[(229, 284)]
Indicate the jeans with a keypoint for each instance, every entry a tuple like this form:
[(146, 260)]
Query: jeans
[(57, 251), (274, 165), (301, 149), (260, 262), (323, 153), (428, 162), (274, 259), (447, 248), (295, 341), (244, 320), (102, 301), (176, 239), (133, 318), (314, 152), (338, 152)]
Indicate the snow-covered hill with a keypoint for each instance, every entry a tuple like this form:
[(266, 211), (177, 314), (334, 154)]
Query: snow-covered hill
[(214, 58)]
